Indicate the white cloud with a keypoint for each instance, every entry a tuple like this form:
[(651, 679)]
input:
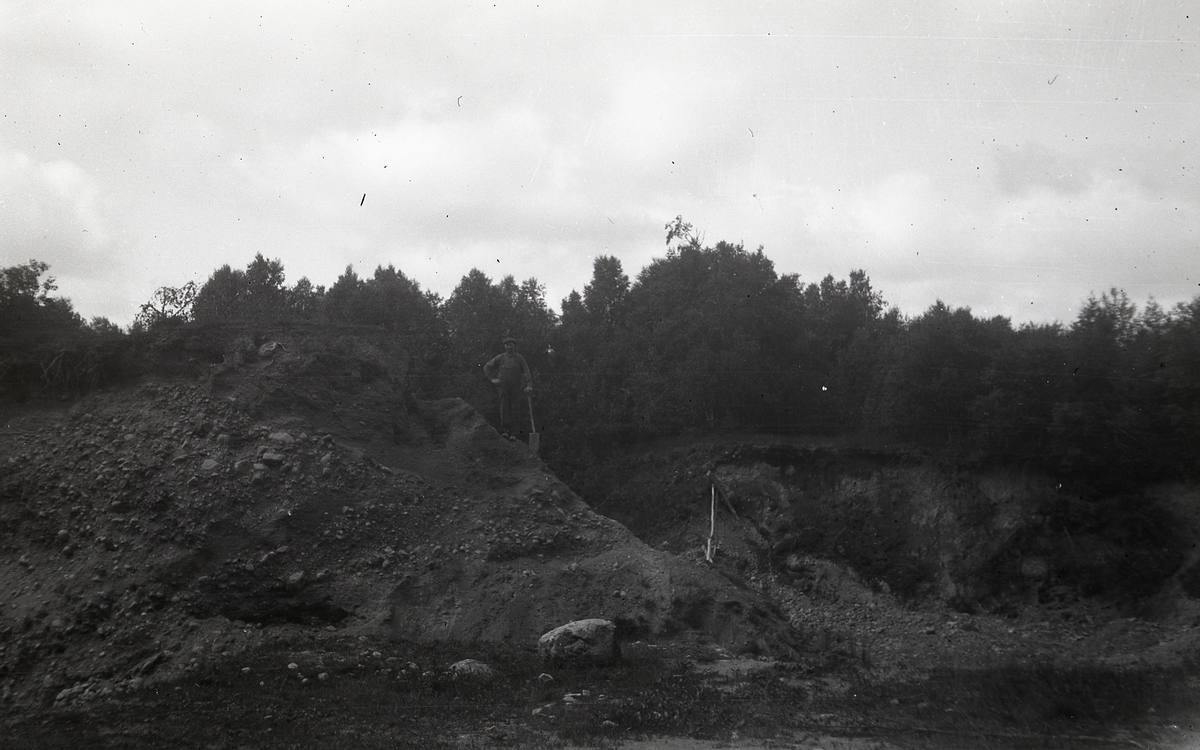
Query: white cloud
[(51, 210), (987, 138)]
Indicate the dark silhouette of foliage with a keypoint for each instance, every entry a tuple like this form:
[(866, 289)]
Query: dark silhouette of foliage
[(27, 311), (604, 298), (392, 301), (845, 331), (935, 373), (44, 344), (170, 306), (257, 294), (705, 339), (716, 336)]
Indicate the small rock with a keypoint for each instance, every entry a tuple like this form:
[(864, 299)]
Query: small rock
[(323, 677), (282, 437), (210, 464), (149, 664), (545, 678), (267, 350), (272, 459), (296, 579), (293, 666)]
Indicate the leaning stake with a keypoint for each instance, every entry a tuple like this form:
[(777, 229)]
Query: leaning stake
[(534, 438)]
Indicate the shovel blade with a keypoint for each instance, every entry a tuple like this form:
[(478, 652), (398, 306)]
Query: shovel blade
[(534, 441)]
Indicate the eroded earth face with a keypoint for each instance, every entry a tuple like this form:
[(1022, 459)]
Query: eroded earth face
[(291, 551)]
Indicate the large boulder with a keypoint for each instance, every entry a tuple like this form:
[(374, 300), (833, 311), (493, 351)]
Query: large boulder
[(592, 641), (472, 670)]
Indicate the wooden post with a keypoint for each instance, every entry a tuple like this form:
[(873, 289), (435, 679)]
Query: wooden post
[(710, 551)]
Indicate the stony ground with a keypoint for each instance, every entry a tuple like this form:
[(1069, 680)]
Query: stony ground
[(290, 553)]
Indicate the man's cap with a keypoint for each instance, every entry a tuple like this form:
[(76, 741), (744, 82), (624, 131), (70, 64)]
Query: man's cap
[(508, 339)]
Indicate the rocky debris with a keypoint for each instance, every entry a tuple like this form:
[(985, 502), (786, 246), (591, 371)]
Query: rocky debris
[(463, 540), (204, 515), (582, 642)]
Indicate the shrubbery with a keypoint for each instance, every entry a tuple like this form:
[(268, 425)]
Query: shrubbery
[(707, 338)]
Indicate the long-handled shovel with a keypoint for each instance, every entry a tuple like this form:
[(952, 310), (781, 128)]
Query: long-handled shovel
[(534, 438)]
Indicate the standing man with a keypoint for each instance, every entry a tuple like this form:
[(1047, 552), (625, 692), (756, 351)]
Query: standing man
[(509, 372)]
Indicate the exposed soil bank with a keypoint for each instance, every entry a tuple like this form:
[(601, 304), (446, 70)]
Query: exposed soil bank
[(280, 548)]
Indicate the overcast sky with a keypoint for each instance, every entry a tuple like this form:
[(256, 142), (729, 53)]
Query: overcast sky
[(1008, 156)]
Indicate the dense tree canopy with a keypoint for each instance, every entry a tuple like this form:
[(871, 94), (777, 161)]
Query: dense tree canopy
[(711, 338), (26, 307), (44, 343)]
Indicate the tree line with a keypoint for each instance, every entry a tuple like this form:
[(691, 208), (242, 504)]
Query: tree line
[(710, 338)]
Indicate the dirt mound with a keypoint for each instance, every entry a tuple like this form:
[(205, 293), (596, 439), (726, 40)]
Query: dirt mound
[(149, 530)]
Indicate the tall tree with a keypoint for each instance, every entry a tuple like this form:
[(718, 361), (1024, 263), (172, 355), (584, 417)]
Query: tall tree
[(715, 336), (936, 371), (27, 309), (256, 294), (44, 343)]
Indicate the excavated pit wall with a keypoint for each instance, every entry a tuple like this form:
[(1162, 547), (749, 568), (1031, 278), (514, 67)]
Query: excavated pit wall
[(974, 538)]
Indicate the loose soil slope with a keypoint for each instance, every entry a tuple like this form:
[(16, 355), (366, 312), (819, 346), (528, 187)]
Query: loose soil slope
[(151, 531)]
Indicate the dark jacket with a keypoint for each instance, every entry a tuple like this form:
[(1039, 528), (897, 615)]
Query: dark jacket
[(509, 368)]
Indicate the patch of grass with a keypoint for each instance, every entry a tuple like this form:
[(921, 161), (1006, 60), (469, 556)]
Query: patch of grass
[(1042, 692), (1035, 697), (643, 699), (652, 691)]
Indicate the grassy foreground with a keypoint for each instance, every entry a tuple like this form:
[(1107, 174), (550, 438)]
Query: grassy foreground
[(368, 694)]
